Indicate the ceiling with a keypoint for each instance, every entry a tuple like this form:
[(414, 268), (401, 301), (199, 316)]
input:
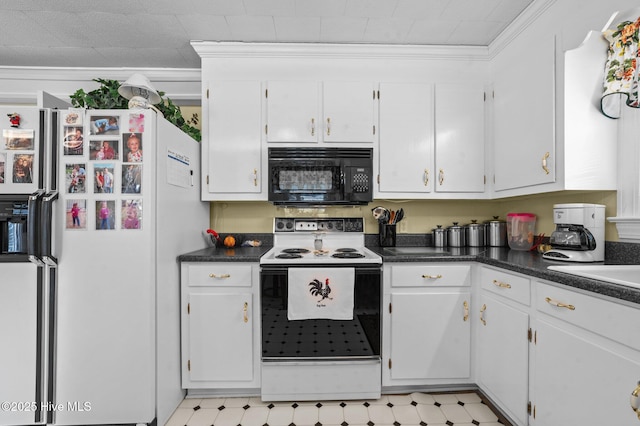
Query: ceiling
[(157, 33)]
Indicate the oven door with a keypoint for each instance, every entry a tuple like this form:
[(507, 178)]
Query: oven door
[(306, 181), (321, 339)]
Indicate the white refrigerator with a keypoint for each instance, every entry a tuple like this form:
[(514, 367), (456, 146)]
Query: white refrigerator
[(89, 297)]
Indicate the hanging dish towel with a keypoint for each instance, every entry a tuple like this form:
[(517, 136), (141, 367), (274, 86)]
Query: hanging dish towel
[(320, 293), (621, 70)]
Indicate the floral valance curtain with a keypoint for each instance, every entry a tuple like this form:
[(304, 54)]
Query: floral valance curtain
[(621, 70)]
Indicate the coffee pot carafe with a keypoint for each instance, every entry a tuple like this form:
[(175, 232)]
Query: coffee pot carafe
[(579, 233)]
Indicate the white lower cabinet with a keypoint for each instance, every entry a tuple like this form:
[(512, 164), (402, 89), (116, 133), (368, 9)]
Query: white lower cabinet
[(220, 326), (426, 324), (502, 348), (587, 360)]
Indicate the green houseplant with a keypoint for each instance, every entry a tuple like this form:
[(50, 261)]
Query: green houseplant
[(107, 97)]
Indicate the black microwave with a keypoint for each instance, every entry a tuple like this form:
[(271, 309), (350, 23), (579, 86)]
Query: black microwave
[(320, 176)]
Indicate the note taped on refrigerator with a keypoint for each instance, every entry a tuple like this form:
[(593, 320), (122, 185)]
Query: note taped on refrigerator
[(179, 172)]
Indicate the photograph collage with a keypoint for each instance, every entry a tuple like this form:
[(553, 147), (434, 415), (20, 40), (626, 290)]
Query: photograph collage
[(17, 154), (103, 171)]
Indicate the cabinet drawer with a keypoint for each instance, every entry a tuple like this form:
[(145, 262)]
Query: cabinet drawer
[(609, 319), (435, 275), (219, 275), (511, 286)]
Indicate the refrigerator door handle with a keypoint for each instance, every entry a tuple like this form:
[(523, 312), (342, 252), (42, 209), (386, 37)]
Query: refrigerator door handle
[(33, 222), (46, 228)]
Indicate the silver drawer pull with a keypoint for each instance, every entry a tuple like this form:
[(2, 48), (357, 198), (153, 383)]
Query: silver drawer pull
[(501, 284), (431, 277), (220, 276), (559, 304)]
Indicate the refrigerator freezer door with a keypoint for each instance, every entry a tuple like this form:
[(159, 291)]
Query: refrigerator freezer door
[(19, 377)]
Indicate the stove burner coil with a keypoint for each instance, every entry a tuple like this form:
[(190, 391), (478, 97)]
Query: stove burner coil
[(288, 256), (347, 255), (295, 250), (345, 250)]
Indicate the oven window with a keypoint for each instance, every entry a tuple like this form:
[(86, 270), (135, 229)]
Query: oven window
[(321, 338)]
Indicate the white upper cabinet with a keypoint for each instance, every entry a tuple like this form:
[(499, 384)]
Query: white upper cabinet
[(459, 138), (292, 111), (232, 153), (311, 112), (406, 139), (348, 111), (431, 140), (524, 99), (549, 133)]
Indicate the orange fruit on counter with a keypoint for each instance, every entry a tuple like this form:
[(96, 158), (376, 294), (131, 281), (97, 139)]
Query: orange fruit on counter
[(229, 241)]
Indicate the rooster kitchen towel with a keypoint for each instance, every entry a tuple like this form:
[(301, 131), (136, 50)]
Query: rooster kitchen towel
[(320, 293)]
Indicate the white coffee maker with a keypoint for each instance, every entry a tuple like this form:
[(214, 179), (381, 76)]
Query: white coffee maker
[(579, 233)]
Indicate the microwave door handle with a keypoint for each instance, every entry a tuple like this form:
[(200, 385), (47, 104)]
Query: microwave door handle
[(46, 228), (33, 216)]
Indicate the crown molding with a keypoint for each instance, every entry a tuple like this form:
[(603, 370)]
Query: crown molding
[(19, 85), (522, 22), (211, 49)]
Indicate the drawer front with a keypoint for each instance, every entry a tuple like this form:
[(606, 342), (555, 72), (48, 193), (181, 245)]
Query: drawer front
[(511, 286), (219, 275), (609, 319), (430, 275)]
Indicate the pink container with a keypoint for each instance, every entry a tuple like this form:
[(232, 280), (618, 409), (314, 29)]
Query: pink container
[(521, 228)]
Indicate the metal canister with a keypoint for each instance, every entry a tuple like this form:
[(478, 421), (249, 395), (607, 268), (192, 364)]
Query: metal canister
[(456, 235), (496, 232), (475, 234), (439, 236)]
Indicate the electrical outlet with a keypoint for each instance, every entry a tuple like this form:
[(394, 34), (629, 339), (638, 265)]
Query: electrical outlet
[(402, 226)]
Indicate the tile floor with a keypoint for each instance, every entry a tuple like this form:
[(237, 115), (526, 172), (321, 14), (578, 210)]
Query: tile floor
[(415, 409)]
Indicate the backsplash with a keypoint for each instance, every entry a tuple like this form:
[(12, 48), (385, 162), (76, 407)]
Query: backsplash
[(421, 216)]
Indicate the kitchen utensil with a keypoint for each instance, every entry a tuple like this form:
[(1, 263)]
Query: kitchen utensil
[(521, 230), (496, 232), (456, 235), (475, 234), (399, 215)]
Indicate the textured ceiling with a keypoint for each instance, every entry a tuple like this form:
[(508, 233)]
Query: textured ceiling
[(157, 33)]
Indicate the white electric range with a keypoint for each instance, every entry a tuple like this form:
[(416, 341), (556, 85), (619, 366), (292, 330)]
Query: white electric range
[(320, 298)]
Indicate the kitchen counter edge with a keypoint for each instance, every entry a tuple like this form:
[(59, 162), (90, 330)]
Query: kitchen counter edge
[(527, 263)]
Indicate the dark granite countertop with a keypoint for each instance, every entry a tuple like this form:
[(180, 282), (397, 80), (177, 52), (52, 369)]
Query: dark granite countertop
[(524, 262), (223, 254)]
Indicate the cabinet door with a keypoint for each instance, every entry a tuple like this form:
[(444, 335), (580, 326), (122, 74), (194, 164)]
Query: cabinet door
[(524, 108), (348, 111), (430, 335), (220, 337), (292, 111), (503, 356), (406, 138), (234, 160), (459, 138), (580, 381)]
